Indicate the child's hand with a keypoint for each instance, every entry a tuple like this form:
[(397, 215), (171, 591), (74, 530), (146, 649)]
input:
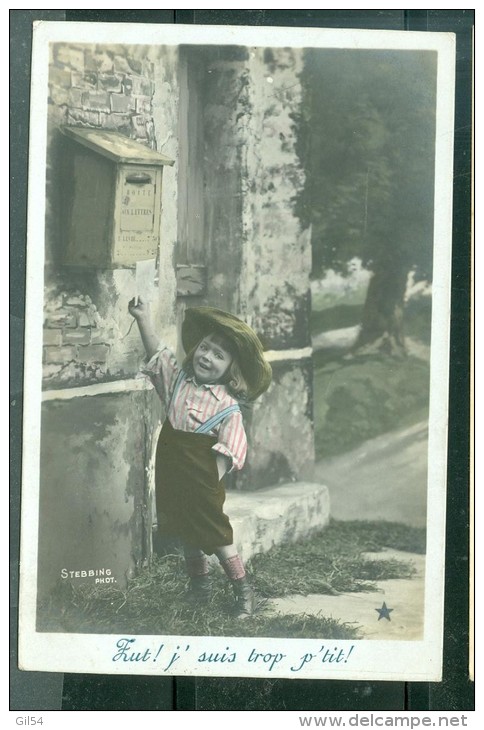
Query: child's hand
[(138, 310)]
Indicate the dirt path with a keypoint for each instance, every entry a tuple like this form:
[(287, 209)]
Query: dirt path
[(404, 597), (345, 337), (385, 478)]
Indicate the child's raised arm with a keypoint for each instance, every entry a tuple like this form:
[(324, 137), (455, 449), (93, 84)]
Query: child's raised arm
[(141, 312)]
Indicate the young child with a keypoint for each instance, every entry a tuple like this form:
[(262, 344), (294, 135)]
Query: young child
[(203, 436)]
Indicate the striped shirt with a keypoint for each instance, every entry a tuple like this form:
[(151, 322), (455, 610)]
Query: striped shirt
[(193, 405)]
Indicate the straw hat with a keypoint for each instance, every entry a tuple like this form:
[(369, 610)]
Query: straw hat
[(201, 321)]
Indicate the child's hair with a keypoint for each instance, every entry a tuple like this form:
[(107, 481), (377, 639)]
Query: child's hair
[(233, 378)]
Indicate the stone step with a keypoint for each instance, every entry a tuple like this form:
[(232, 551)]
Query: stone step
[(276, 515)]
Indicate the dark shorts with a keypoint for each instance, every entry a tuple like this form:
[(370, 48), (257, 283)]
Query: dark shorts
[(189, 495)]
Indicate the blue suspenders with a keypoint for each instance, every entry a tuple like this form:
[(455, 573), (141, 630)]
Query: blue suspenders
[(178, 381), (214, 420)]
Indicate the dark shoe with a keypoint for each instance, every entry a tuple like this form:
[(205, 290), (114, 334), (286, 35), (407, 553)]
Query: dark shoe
[(244, 598), (201, 588)]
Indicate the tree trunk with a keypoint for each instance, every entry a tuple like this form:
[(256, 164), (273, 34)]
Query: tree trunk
[(382, 320)]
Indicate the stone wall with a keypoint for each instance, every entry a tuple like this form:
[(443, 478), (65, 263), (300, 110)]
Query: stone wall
[(109, 87), (118, 88), (259, 256), (227, 204), (98, 423), (91, 498), (277, 257), (280, 429), (274, 286)]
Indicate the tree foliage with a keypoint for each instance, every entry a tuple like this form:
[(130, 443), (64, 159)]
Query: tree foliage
[(366, 139)]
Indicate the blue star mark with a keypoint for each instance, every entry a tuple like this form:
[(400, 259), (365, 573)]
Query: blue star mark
[(384, 612)]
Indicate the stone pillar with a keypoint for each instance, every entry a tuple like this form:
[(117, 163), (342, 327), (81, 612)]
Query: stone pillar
[(257, 256), (274, 284)]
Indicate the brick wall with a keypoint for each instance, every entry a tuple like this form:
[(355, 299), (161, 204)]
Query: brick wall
[(104, 87), (109, 88), (76, 340)]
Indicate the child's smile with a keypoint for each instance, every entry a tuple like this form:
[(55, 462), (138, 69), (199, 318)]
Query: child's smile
[(210, 361)]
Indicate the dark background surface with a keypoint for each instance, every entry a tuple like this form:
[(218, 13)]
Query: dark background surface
[(37, 691)]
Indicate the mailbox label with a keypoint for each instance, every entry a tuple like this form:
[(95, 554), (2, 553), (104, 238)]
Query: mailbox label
[(136, 235), (137, 207)]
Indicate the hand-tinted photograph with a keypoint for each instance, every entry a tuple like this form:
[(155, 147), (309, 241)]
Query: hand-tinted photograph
[(237, 351)]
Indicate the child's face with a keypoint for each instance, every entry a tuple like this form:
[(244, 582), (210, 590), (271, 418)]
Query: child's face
[(211, 360)]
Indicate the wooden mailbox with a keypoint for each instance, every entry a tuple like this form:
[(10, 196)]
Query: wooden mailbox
[(112, 199)]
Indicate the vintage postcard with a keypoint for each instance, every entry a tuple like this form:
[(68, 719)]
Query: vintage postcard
[(237, 345)]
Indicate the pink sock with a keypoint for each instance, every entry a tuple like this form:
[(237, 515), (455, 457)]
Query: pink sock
[(234, 567), (197, 565)]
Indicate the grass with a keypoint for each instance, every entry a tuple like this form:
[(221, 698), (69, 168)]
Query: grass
[(337, 317), (418, 314), (155, 602), (358, 399), (333, 561), (328, 297), (417, 317)]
